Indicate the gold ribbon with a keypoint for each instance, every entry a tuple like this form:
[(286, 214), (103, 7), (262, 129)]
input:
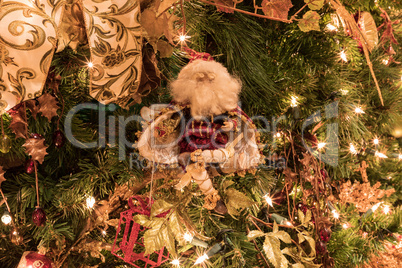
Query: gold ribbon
[(33, 29)]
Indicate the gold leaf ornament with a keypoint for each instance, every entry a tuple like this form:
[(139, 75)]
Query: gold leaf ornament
[(236, 201), (153, 238), (164, 48), (276, 8), (160, 206), (272, 245), (368, 29), (18, 123), (305, 236), (153, 26), (304, 219), (315, 4), (36, 148), (284, 236), (48, 106), (254, 234), (273, 252), (310, 22), (176, 227), (161, 231), (158, 235)]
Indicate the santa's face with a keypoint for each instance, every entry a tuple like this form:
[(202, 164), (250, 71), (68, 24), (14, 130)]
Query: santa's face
[(207, 87)]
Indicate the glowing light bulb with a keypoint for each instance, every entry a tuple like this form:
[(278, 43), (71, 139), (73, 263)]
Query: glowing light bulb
[(6, 218), (288, 223), (385, 61), (344, 91), (278, 135), (175, 262), (376, 141), (104, 232), (268, 200), (90, 64), (359, 110), (376, 206), (294, 102), (321, 145), (182, 38), (335, 214), (331, 27), (201, 259), (380, 155), (352, 149), (90, 202), (343, 56), (386, 209), (400, 156), (188, 237), (345, 225)]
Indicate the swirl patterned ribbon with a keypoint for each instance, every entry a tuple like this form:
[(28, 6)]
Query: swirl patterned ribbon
[(30, 30)]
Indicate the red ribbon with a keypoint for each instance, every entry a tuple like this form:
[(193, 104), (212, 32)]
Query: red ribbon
[(194, 55)]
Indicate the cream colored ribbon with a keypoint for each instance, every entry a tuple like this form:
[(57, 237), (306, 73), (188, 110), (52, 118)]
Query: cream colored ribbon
[(28, 38)]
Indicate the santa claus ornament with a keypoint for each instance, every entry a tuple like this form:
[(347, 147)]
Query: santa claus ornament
[(203, 131), (32, 259)]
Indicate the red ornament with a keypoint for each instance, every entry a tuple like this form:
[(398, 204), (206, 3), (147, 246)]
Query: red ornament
[(125, 249), (36, 136), (325, 234), (39, 216), (30, 166), (35, 260), (279, 197), (321, 248), (58, 138), (324, 174), (302, 207)]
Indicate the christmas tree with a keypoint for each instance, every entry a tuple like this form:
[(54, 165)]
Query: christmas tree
[(89, 90)]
